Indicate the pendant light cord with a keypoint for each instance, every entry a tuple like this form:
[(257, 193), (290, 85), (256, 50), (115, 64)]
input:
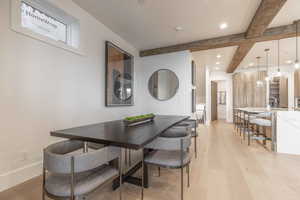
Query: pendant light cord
[(267, 61), (297, 60), (258, 74), (278, 59)]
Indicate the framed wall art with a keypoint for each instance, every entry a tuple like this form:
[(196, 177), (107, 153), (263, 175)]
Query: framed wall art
[(119, 76)]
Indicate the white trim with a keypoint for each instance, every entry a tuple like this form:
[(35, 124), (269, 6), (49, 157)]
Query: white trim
[(17, 176), (15, 22)]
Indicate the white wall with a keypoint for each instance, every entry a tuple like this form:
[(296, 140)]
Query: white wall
[(43, 88), (180, 64), (222, 86)]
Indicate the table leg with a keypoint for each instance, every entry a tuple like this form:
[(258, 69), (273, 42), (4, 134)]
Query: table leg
[(128, 176), (85, 147)]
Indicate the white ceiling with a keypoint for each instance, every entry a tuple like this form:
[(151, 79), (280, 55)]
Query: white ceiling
[(288, 14), (151, 23), (209, 58)]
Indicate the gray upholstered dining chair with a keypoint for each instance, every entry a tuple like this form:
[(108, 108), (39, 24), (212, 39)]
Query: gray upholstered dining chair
[(191, 126), (68, 173), (170, 153), (177, 131)]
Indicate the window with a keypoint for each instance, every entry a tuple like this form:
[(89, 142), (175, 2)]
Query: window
[(43, 24), (41, 20)]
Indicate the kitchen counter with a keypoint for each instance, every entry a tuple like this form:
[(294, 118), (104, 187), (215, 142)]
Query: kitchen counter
[(288, 132)]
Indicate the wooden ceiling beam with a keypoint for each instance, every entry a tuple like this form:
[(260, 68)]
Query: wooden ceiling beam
[(239, 55), (275, 33), (264, 15)]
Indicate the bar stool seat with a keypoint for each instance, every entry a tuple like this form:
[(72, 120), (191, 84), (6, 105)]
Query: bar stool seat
[(248, 117), (59, 184), (264, 114), (261, 122)]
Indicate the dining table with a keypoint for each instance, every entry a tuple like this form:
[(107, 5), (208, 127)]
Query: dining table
[(117, 133)]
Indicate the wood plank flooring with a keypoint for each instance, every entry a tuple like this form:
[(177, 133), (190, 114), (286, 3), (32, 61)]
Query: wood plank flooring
[(226, 169)]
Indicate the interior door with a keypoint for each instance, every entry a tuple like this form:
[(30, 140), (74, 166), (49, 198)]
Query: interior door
[(214, 101)]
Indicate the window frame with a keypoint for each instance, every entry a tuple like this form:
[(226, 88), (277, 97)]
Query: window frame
[(72, 24)]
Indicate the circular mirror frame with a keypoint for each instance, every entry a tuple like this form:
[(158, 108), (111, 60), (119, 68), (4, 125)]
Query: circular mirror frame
[(176, 89)]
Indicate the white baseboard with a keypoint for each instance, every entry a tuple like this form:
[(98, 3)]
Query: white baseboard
[(20, 175)]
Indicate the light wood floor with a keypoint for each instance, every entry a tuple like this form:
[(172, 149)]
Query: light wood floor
[(226, 169)]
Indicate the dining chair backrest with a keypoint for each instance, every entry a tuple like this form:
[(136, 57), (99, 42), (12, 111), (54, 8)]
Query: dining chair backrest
[(170, 144), (182, 127), (61, 158)]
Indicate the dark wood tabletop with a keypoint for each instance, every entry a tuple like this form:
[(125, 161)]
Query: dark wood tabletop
[(117, 134)]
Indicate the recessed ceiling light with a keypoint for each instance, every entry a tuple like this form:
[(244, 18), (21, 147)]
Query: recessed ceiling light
[(219, 56), (178, 28), (217, 63), (289, 62), (223, 25), (217, 68), (251, 64)]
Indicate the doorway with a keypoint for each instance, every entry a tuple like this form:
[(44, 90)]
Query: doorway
[(214, 100)]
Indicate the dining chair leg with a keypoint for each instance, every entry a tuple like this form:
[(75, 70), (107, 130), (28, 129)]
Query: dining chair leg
[(120, 176), (44, 180), (142, 192), (129, 157), (125, 157), (72, 179), (188, 175), (181, 183), (195, 143), (158, 171)]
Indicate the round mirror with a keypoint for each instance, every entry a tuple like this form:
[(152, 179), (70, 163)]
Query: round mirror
[(163, 84)]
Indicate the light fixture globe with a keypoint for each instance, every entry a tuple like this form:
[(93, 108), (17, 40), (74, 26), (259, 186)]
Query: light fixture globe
[(259, 83), (297, 64), (278, 73)]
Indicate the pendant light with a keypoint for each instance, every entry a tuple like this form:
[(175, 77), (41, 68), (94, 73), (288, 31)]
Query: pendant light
[(267, 64), (297, 64), (259, 82), (278, 59)]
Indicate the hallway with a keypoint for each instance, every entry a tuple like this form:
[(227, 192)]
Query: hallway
[(226, 169)]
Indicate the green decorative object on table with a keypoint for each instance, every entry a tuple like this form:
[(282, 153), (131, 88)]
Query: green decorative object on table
[(135, 120)]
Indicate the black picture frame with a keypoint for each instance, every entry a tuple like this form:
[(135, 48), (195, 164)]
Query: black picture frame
[(119, 76)]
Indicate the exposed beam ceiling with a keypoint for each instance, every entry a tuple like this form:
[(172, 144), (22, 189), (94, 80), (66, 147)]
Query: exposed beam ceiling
[(257, 32), (264, 15), (226, 41)]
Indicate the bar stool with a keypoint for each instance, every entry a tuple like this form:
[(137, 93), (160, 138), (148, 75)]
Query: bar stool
[(240, 121), (68, 173), (261, 122), (236, 118)]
